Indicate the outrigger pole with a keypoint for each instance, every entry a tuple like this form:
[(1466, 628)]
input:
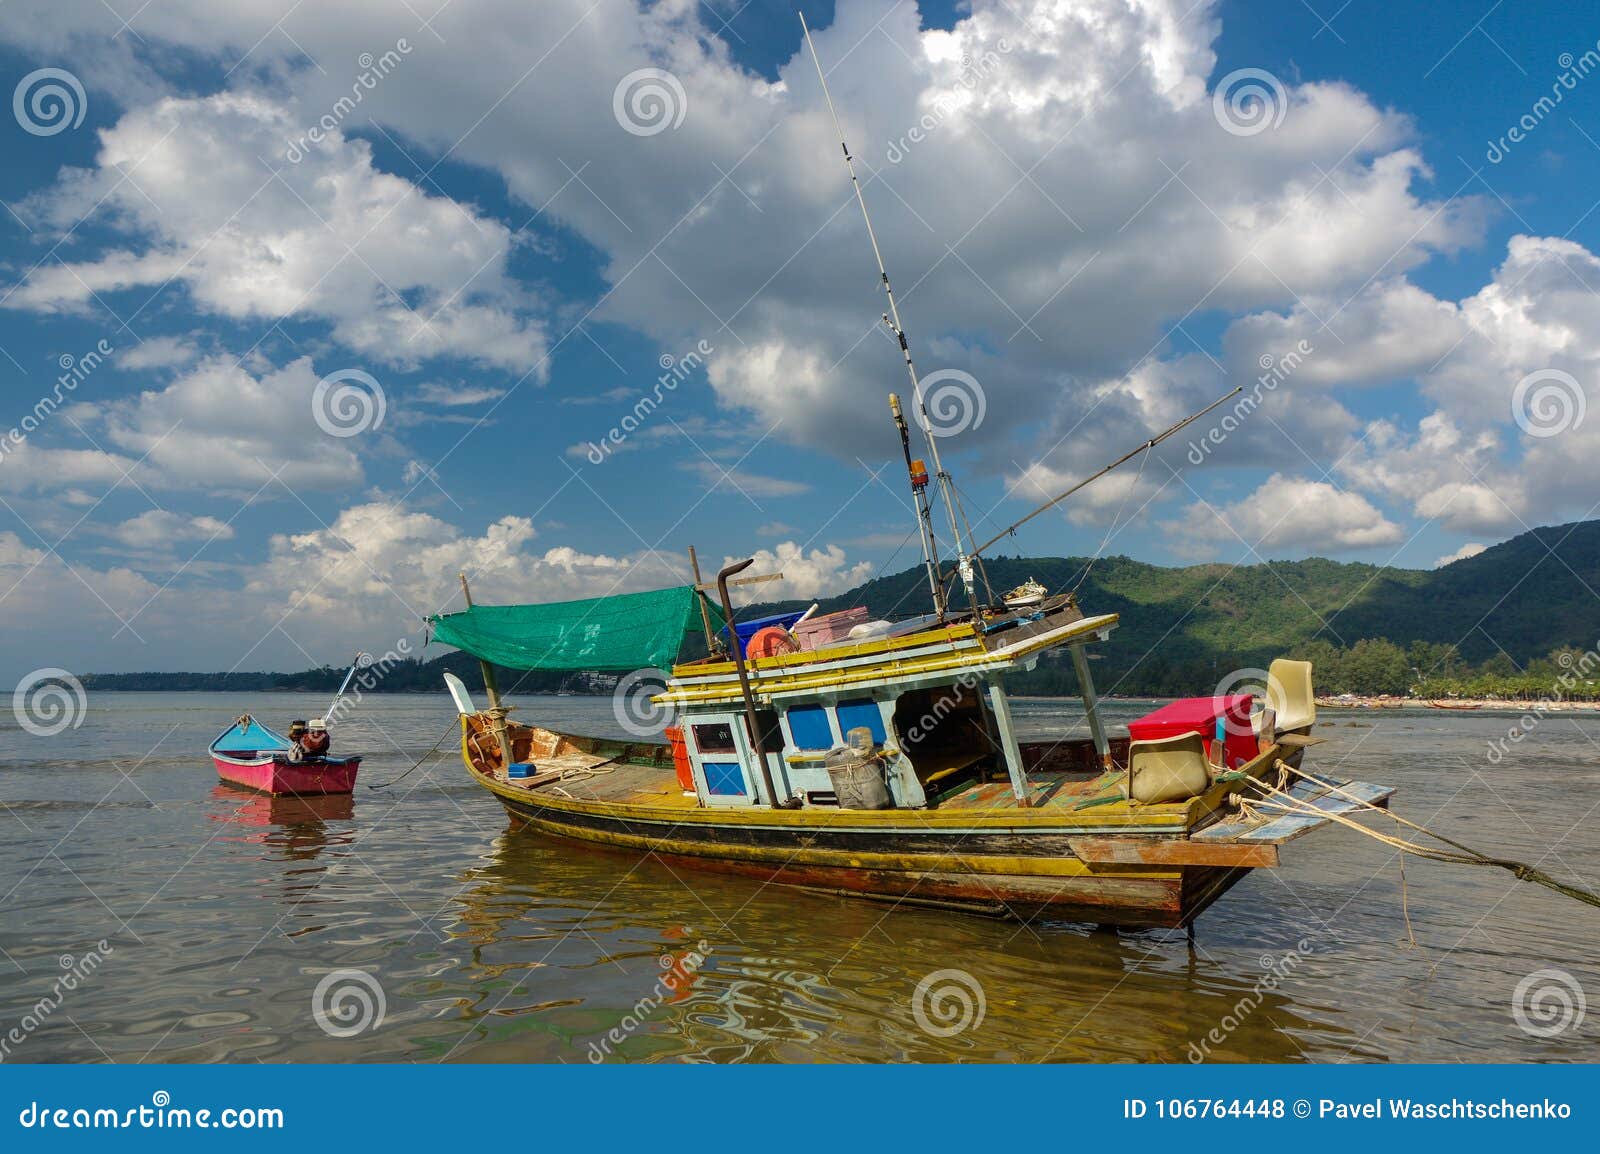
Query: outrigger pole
[(1126, 457), (338, 697), (892, 319)]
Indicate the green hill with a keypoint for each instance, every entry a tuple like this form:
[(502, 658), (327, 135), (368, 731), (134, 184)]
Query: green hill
[(1183, 629), (1491, 624)]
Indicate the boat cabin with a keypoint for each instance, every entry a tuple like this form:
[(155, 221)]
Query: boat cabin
[(930, 704)]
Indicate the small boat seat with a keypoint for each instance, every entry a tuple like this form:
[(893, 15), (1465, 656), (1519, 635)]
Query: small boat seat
[(1169, 768), (1290, 697)]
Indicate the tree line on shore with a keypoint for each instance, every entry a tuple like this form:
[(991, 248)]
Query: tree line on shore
[(1366, 668), (1371, 667)]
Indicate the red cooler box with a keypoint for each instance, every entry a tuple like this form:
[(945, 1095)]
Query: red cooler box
[(1199, 715)]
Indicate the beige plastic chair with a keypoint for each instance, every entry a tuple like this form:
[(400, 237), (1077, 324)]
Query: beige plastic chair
[(1290, 697), (1169, 769)]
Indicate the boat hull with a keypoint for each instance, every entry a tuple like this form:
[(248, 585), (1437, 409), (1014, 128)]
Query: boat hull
[(979, 869), (279, 776)]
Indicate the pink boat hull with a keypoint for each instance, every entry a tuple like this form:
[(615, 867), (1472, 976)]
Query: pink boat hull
[(277, 776)]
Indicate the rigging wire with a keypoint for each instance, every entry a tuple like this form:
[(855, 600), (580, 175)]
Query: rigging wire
[(1112, 528), (1143, 446), (1280, 800), (454, 725)]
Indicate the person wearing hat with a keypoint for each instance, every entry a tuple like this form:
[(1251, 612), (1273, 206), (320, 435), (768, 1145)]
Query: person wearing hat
[(316, 740)]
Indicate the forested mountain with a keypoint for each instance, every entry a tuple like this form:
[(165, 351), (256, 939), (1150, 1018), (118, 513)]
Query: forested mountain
[(1493, 623)]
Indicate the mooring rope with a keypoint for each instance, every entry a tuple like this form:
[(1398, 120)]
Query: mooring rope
[(454, 725), (1281, 800)]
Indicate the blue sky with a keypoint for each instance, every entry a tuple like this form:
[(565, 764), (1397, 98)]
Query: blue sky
[(490, 244)]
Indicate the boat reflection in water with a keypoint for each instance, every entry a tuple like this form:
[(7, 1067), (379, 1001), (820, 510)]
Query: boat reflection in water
[(294, 830), (576, 957)]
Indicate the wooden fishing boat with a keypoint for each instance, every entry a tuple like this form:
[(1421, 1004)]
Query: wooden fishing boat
[(977, 821), (250, 755), (886, 763), (1462, 706)]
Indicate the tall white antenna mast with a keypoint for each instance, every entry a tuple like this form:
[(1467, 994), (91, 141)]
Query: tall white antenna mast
[(892, 318)]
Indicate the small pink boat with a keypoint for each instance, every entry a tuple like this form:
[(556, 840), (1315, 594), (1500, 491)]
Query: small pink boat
[(249, 754)]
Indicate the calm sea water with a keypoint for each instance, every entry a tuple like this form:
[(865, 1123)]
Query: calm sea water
[(222, 914)]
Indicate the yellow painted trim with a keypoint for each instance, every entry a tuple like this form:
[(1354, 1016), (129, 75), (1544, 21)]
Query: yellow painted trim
[(951, 633), (1177, 818), (1061, 867), (974, 659)]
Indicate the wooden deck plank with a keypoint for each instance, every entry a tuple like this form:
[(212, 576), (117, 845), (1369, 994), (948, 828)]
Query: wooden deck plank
[(1290, 826)]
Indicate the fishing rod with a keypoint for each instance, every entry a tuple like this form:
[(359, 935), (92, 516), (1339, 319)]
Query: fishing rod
[(1126, 457), (892, 319), (360, 660)]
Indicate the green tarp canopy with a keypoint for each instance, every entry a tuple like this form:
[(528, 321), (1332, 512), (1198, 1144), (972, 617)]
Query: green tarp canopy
[(626, 632)]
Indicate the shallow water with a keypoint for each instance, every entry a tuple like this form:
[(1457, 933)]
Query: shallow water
[(221, 912)]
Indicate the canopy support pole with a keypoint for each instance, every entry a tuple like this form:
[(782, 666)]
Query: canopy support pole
[(1091, 710), (700, 600), (491, 686), (1001, 708)]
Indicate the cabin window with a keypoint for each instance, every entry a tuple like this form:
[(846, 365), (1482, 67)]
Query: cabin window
[(771, 733), (863, 712), (716, 738), (724, 778), (809, 724), (943, 730)]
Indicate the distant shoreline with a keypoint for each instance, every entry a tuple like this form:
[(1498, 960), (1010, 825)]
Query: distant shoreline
[(1459, 705), (1356, 702)]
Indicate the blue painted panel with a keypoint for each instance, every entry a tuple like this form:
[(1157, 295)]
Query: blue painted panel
[(249, 738), (724, 778), (863, 712), (809, 724)]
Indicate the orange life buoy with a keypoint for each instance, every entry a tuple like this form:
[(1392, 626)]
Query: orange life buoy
[(771, 641)]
